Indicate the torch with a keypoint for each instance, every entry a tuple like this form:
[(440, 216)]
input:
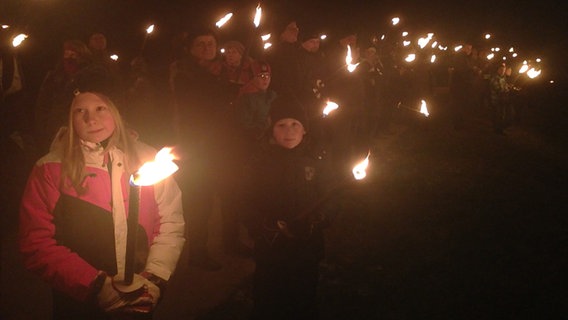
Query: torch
[(149, 174), (149, 30)]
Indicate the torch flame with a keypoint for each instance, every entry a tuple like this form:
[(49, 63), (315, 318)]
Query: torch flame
[(155, 171), (533, 73), (19, 39), (348, 59), (267, 45), (395, 21), (329, 107), (150, 29), (224, 20), (114, 57), (265, 37), (257, 16), (410, 57), (524, 68), (433, 58), (360, 169), (423, 108)]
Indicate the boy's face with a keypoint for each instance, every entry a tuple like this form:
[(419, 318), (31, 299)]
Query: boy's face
[(288, 132), (204, 47)]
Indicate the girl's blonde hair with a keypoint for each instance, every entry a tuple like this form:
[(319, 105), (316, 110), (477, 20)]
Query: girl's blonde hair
[(73, 160)]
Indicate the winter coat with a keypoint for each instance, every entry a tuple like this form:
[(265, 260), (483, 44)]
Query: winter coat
[(66, 237)]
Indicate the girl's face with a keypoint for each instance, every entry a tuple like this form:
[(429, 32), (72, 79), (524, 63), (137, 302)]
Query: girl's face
[(288, 132), (92, 118)]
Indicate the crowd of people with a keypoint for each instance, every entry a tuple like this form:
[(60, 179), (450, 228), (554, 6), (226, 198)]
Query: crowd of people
[(250, 134)]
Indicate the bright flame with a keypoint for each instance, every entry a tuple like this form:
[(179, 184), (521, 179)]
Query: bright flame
[(404, 33), (5, 26), (150, 29), (490, 56), (222, 50), (19, 39), (406, 43), (434, 44), (433, 58), (348, 59), (383, 37), (411, 57), (533, 73), (538, 60), (267, 45), (423, 108), (114, 57), (497, 49), (487, 36), (511, 49), (504, 58), (265, 37), (224, 20), (360, 169), (458, 48), (524, 68), (514, 55), (323, 36), (395, 21), (155, 171), (329, 107), (257, 16)]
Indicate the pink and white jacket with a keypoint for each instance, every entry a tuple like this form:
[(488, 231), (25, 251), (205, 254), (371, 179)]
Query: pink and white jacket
[(67, 238)]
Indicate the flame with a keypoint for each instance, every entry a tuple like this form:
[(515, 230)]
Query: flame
[(150, 29), (524, 68), (395, 21), (224, 20), (423, 108), (487, 36), (265, 37), (533, 73), (155, 171), (257, 16), (5, 26), (404, 33), (348, 59), (329, 107), (406, 43), (458, 48), (114, 57), (19, 39), (434, 44), (433, 58), (323, 37), (267, 45), (490, 56), (411, 57), (360, 169)]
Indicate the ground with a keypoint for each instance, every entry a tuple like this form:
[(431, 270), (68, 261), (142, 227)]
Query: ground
[(450, 224)]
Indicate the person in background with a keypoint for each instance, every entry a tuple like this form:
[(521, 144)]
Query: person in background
[(74, 210), (236, 68), (287, 179), (56, 91), (202, 101), (499, 100)]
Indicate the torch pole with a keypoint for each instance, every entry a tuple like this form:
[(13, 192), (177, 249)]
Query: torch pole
[(132, 232)]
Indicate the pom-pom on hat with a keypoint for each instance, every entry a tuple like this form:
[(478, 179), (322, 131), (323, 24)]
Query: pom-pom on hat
[(284, 107)]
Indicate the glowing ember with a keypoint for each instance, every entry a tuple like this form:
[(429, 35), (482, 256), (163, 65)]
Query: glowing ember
[(224, 20), (155, 171), (19, 39), (423, 108), (150, 29), (360, 169), (257, 16), (348, 59), (329, 107)]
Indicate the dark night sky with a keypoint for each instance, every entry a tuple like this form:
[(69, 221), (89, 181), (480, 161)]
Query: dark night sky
[(537, 27)]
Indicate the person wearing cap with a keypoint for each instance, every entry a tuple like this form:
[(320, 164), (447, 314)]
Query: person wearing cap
[(73, 215), (285, 181), (236, 67)]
